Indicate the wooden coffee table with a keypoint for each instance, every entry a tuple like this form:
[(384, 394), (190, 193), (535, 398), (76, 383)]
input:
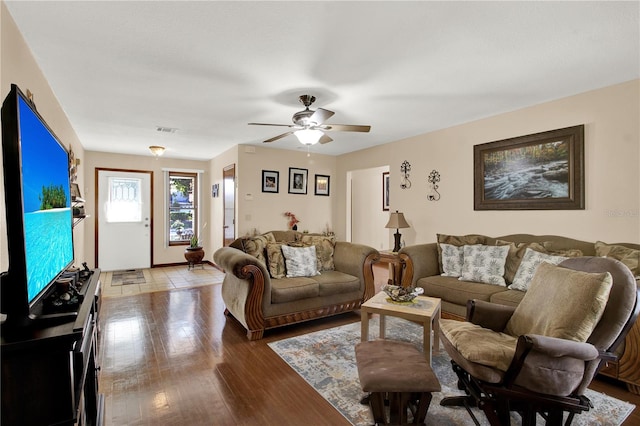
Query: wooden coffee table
[(424, 310)]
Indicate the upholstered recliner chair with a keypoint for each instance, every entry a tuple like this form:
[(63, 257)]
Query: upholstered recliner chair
[(539, 358)]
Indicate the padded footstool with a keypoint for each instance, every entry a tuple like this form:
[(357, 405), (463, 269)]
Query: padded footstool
[(399, 371)]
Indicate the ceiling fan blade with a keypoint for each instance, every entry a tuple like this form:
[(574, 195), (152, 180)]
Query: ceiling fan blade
[(345, 128), (320, 116), (324, 139), (275, 138), (269, 124)]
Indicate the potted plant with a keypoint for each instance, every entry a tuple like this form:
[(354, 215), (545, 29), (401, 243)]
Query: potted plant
[(194, 253)]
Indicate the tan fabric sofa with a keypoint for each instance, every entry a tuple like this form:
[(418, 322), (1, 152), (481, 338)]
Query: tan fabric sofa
[(260, 302), (423, 269)]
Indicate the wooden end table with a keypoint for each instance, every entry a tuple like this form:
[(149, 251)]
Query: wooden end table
[(396, 266), (425, 310)]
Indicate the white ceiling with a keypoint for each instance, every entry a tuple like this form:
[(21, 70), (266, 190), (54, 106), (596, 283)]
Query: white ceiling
[(207, 68)]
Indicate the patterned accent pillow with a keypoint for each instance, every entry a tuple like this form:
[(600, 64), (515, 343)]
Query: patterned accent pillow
[(255, 246), (484, 264), (530, 262), (275, 260), (516, 253), (300, 261), (458, 241), (626, 255), (325, 246), (452, 260)]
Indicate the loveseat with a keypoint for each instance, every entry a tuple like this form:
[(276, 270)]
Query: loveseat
[(424, 267), (264, 287)]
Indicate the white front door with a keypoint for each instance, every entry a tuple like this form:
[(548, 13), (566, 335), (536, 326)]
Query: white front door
[(124, 220)]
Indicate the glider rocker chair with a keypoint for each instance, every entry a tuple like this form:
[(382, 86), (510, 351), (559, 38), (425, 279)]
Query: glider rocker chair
[(539, 358)]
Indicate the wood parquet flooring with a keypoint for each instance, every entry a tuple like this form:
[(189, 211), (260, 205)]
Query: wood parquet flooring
[(173, 358)]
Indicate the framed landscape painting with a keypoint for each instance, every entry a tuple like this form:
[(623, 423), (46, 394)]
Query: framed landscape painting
[(298, 180), (542, 171), (270, 181)]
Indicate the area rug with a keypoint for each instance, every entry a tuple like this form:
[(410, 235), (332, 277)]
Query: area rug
[(130, 276), (326, 360)]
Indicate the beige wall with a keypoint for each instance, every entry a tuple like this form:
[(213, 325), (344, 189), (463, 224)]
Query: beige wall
[(162, 252), (18, 66), (265, 211), (612, 180), (216, 218)]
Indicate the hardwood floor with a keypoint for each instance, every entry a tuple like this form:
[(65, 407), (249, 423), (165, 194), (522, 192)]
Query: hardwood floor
[(173, 358)]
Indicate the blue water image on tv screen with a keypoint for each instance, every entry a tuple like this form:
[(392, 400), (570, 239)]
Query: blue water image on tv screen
[(47, 202)]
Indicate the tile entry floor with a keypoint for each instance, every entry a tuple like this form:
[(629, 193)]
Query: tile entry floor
[(163, 279)]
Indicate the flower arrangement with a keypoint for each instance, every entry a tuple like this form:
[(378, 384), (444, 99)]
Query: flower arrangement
[(292, 220)]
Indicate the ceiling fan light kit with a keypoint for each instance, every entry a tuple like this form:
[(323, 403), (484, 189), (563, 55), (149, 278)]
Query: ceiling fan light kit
[(309, 125)]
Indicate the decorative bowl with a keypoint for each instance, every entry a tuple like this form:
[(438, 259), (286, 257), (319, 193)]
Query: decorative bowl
[(402, 294)]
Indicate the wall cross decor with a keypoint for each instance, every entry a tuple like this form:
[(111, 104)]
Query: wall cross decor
[(405, 168)]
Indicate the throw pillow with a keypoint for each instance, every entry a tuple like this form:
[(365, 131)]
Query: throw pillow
[(458, 241), (530, 262), (514, 258), (626, 255), (484, 264), (325, 246), (255, 246), (452, 259), (275, 260), (562, 303), (300, 261)]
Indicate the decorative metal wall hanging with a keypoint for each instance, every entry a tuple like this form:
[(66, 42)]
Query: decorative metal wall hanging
[(405, 168), (434, 178)]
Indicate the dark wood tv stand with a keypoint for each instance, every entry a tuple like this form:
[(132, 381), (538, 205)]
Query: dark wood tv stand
[(49, 372)]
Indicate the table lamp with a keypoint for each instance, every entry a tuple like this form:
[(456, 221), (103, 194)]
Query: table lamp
[(397, 220)]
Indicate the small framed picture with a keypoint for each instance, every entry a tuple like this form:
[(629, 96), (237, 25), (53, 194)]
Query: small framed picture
[(298, 180), (385, 191), (75, 191), (215, 190), (270, 181), (322, 185)]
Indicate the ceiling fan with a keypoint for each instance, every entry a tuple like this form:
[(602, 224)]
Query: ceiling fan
[(309, 127)]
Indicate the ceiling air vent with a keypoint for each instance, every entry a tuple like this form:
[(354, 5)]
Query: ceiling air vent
[(166, 129)]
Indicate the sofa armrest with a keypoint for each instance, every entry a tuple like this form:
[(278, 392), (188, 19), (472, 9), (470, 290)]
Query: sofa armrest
[(357, 260), (489, 315), (420, 260), (559, 348), (246, 288)]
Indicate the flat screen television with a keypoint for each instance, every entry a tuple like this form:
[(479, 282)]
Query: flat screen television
[(38, 209)]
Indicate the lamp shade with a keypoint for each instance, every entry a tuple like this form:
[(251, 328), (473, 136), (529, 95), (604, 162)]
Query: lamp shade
[(309, 136), (397, 220)]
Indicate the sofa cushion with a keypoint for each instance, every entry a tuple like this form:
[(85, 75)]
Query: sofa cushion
[(579, 299), (455, 291), (275, 260), (480, 345), (457, 240), (255, 246), (452, 260), (508, 297), (336, 282), (484, 264), (292, 289), (514, 258), (530, 262), (325, 246), (630, 257), (300, 261)]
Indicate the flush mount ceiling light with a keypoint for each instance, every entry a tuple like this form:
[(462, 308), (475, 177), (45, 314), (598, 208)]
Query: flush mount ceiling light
[(309, 136), (157, 150)]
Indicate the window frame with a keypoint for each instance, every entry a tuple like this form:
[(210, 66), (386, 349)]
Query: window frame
[(174, 174)]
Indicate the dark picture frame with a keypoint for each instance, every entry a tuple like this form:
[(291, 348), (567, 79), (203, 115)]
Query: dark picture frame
[(215, 190), (270, 181), (386, 187), (298, 180), (541, 171), (322, 185)]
